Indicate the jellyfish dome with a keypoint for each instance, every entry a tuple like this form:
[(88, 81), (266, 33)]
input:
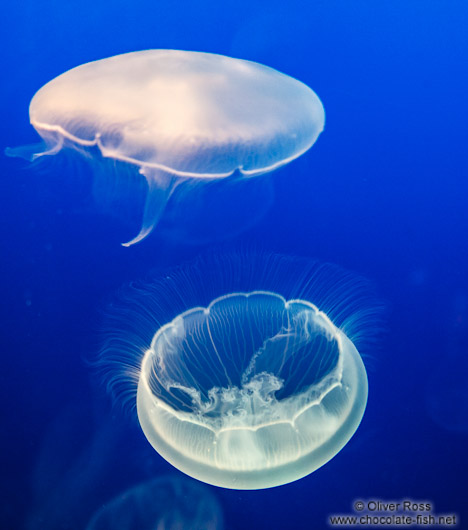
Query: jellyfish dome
[(177, 116), (254, 388)]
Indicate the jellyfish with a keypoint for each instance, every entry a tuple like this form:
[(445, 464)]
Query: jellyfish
[(169, 503), (244, 365), (175, 117)]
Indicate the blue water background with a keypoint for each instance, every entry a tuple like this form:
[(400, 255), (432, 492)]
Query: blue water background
[(384, 193)]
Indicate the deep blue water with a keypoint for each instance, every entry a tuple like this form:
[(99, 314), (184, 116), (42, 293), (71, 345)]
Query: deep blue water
[(383, 193)]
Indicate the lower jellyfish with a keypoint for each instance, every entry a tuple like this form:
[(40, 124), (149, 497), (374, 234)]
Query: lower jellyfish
[(175, 117), (166, 503), (245, 366)]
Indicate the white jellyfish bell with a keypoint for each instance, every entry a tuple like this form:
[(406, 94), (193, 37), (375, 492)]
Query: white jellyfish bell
[(244, 367), (177, 116)]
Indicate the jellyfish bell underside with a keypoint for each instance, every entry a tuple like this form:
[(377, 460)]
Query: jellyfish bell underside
[(177, 116), (252, 391)]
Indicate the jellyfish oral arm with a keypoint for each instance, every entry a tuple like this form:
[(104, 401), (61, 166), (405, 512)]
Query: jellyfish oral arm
[(160, 188), (33, 151)]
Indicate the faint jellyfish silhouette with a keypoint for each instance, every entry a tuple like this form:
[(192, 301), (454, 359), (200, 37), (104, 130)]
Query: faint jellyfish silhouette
[(77, 453), (178, 117), (446, 389), (447, 395), (246, 372), (164, 503), (216, 211)]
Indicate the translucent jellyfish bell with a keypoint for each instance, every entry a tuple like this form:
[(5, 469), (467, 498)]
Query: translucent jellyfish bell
[(257, 387), (217, 400), (177, 115)]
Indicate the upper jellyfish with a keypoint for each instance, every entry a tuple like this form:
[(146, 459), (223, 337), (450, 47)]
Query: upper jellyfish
[(178, 115)]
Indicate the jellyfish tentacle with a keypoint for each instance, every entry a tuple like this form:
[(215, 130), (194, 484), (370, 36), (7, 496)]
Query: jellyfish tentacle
[(33, 151), (160, 188)]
